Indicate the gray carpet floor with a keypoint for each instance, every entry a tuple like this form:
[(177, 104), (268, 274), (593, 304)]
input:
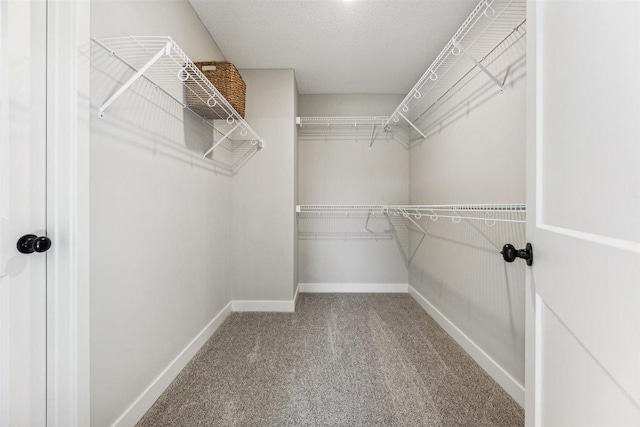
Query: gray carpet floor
[(340, 360)]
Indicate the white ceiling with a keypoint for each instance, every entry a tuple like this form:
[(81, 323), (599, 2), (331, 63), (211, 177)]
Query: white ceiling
[(336, 46)]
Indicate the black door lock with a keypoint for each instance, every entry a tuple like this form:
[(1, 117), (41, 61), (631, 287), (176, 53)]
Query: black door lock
[(510, 253), (30, 243)]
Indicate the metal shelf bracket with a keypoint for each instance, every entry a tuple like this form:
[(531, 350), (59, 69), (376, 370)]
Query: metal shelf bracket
[(166, 50), (221, 139), (373, 136), (461, 48), (412, 125)]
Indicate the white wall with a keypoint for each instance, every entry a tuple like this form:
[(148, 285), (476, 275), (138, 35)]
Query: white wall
[(263, 194), (296, 268), (475, 153), (160, 231), (345, 171)]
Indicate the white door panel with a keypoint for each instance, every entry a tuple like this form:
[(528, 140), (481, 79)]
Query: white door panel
[(594, 289), (584, 200), (22, 211), (589, 99), (576, 381)]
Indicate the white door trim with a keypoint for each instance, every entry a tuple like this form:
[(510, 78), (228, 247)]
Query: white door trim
[(532, 342), (68, 262)]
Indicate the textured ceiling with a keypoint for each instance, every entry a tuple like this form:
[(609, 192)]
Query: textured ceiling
[(336, 46)]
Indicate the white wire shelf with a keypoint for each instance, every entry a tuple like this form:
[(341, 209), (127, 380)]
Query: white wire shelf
[(489, 213), (349, 121), (397, 222), (160, 60), (490, 23), (340, 209), (429, 122), (354, 128)]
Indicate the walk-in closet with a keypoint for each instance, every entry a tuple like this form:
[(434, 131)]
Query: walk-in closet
[(319, 213)]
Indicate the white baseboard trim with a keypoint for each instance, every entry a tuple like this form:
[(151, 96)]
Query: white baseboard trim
[(502, 377), (267, 306), (393, 288), (141, 405), (258, 305)]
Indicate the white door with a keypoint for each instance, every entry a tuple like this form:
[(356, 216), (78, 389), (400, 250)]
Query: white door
[(584, 212), (22, 212)]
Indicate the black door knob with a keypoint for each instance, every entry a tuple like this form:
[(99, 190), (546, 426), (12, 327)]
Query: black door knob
[(510, 253), (30, 243)]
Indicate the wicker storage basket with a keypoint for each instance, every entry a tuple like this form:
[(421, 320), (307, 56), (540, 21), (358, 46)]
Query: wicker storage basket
[(226, 78)]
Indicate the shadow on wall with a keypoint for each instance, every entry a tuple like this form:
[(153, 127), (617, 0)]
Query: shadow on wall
[(344, 227), (507, 62), (461, 271), (150, 118), (350, 226)]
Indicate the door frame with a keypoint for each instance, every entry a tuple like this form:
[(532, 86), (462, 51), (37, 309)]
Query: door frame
[(68, 202), (532, 341)]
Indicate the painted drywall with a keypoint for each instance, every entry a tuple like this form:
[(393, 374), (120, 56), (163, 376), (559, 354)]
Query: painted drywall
[(160, 216), (263, 195), (296, 269), (475, 153), (344, 171)]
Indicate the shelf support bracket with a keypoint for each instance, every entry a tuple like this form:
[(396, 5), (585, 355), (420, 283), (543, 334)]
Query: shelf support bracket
[(412, 125), (221, 139), (373, 136), (482, 67), (366, 224), (422, 232), (408, 257), (166, 50)]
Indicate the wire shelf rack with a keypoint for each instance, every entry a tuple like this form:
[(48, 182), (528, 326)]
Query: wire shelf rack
[(490, 23), (429, 122), (348, 121), (339, 209), (159, 60), (354, 128), (400, 222), (489, 213)]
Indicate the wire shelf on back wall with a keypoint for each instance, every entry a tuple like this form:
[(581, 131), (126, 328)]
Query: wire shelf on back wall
[(352, 128), (489, 25), (341, 121), (160, 61)]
